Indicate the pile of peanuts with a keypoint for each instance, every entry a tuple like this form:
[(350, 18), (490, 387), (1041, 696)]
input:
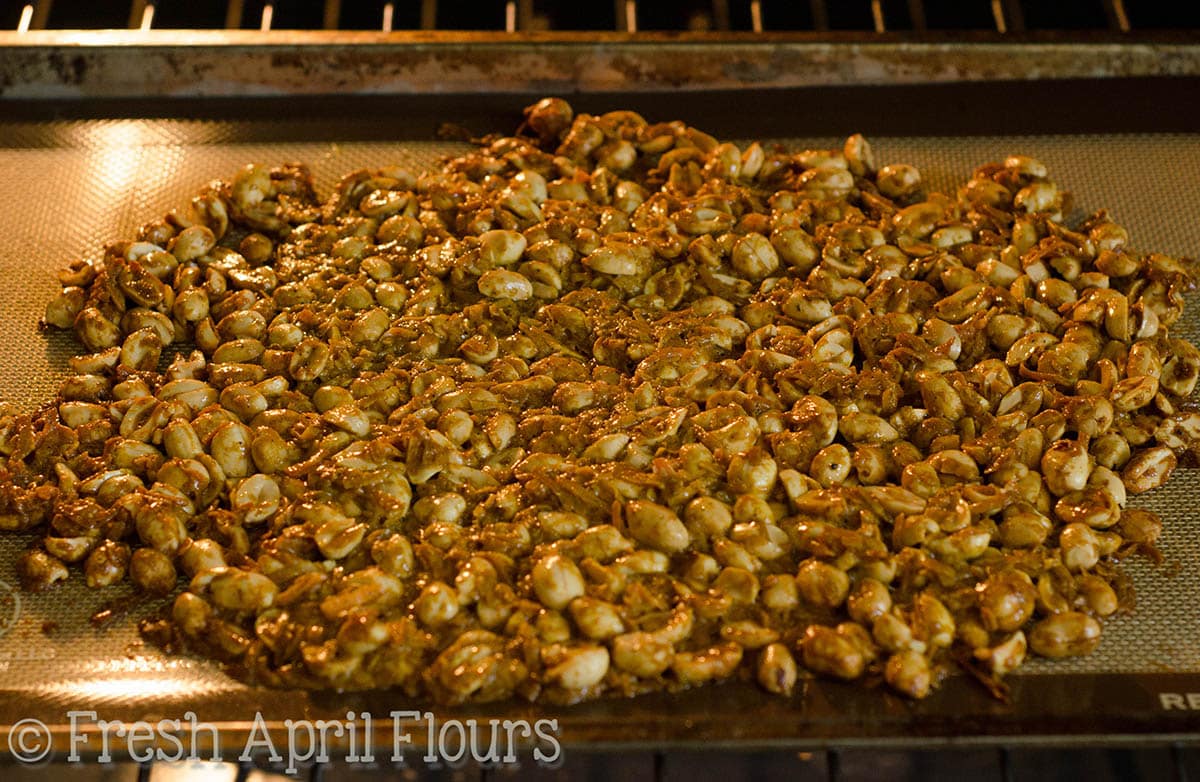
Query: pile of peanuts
[(609, 407)]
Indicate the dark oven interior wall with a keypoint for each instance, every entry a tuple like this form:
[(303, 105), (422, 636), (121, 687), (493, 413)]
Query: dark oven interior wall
[(1049, 106)]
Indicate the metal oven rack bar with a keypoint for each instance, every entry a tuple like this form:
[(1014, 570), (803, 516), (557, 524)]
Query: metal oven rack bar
[(519, 15)]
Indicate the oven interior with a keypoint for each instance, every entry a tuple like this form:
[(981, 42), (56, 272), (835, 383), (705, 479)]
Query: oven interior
[(86, 162)]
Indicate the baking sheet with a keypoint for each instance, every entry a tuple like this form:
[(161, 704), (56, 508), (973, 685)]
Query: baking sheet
[(69, 187)]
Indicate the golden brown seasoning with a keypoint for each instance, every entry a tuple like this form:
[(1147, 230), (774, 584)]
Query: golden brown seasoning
[(613, 407)]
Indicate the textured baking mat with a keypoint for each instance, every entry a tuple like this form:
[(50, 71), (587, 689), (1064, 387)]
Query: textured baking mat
[(67, 188)]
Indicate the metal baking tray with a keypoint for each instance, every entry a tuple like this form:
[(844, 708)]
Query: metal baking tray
[(77, 175), (162, 63)]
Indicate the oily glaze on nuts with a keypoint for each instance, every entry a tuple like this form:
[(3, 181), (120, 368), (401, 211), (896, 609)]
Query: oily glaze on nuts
[(611, 407)]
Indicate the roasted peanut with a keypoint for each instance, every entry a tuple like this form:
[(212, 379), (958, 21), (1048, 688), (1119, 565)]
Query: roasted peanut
[(1065, 635)]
